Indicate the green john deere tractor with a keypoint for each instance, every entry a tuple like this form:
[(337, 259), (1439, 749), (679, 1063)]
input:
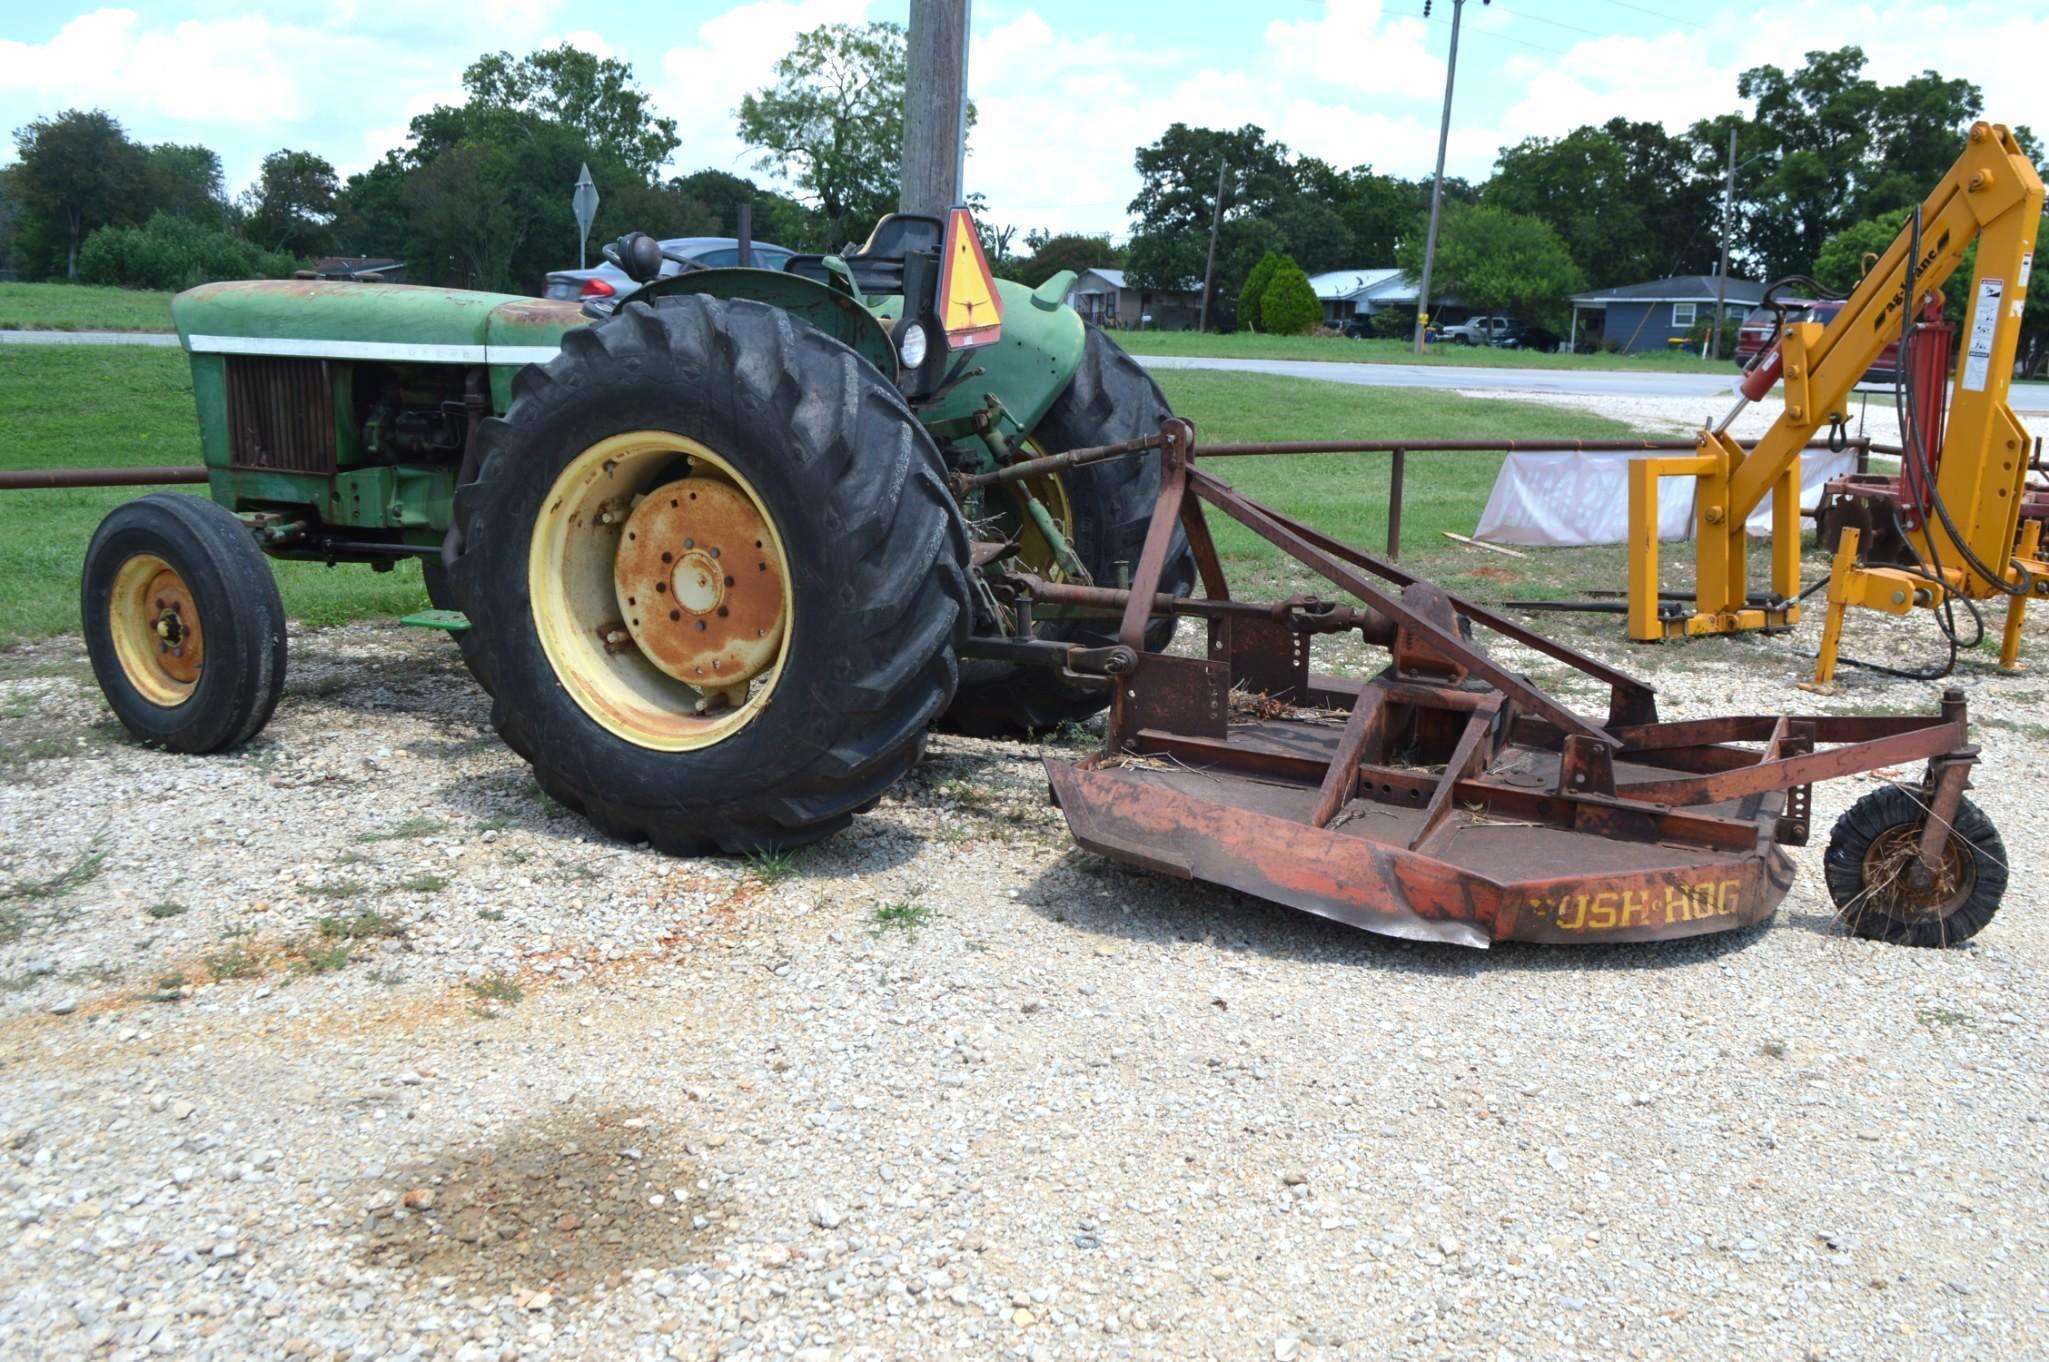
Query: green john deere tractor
[(716, 556)]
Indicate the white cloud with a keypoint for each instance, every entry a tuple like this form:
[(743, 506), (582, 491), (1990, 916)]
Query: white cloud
[(701, 85), (228, 70)]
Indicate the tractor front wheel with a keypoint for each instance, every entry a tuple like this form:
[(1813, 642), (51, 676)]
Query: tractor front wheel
[(715, 575), (1883, 893), (183, 623)]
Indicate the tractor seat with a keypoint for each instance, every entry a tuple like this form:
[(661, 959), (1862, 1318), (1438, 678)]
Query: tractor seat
[(878, 267)]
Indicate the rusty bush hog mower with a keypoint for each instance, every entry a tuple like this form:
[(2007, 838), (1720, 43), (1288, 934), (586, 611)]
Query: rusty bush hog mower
[(724, 556)]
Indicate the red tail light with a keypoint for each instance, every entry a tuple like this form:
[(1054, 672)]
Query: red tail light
[(595, 287)]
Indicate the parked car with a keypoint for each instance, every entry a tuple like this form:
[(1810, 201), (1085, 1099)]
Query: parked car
[(1758, 327), (1358, 328), (607, 281), (1519, 337), (1479, 330)]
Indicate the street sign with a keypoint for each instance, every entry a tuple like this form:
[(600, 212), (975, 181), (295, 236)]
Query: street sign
[(585, 204)]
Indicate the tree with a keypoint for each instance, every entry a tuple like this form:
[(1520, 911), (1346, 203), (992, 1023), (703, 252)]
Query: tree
[(1052, 254), (481, 194), (833, 122), (186, 182), (597, 96), (1625, 198), (1842, 261), (1289, 307), (78, 171), (708, 204), (1177, 196), (1834, 148), (1491, 258), (292, 204), (1256, 282)]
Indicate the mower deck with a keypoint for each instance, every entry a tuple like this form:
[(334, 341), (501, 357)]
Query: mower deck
[(1447, 798)]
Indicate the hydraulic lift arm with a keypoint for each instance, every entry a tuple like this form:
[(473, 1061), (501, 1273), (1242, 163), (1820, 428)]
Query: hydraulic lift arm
[(1992, 195)]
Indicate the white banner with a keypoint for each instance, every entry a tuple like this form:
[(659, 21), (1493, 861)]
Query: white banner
[(1574, 498)]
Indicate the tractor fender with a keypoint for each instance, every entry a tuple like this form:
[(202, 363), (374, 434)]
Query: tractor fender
[(829, 309), (1027, 368)]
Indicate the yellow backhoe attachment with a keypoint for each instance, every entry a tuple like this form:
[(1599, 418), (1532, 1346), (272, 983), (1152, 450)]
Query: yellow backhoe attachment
[(1993, 196)]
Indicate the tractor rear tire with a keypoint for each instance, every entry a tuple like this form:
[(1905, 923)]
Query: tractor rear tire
[(1870, 851), (687, 392), (1111, 399), (183, 623)]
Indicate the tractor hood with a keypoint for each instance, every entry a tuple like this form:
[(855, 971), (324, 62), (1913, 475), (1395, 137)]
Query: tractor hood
[(394, 323)]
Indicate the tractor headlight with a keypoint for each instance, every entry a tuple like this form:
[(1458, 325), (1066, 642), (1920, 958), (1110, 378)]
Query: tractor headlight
[(911, 346)]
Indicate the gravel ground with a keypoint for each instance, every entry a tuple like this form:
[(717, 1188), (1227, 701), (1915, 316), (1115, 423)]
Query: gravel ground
[(351, 1046)]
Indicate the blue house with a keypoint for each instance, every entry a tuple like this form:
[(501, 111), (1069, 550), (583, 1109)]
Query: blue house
[(1653, 315)]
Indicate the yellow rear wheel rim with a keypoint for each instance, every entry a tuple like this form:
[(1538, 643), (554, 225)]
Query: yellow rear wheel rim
[(158, 637), (578, 612)]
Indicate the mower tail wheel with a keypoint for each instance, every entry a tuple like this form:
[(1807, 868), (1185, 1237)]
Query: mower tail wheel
[(183, 623), (1881, 891)]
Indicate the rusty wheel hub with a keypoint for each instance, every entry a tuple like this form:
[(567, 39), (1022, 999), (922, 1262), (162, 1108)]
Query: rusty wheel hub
[(174, 619), (1901, 888), (699, 585)]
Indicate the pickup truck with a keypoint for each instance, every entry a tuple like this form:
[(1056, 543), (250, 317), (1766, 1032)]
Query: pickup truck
[(1480, 330)]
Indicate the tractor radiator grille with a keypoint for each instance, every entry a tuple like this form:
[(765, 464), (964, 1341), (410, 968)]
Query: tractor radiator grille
[(280, 415)]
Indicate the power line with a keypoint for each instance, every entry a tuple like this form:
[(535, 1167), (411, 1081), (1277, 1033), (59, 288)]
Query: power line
[(1503, 37), (1656, 14)]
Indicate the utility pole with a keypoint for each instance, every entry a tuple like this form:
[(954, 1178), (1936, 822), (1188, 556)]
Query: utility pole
[(935, 108), (1728, 218), (1209, 270), (1437, 185)]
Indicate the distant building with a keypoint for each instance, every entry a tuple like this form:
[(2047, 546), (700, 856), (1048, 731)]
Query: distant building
[(1658, 313), (1346, 294), (1108, 298), (387, 270)]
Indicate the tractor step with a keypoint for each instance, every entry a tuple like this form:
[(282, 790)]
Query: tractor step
[(454, 621)]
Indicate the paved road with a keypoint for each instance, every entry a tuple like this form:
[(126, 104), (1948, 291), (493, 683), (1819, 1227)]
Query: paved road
[(1716, 382), (1719, 380), (1714, 379), (87, 338)]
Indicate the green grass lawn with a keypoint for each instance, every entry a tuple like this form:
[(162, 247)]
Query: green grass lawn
[(82, 307), (80, 406), (1249, 345), (87, 405), (1346, 495)]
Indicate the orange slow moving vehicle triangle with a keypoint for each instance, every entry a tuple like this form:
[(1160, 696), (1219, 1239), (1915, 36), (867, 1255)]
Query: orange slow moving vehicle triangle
[(968, 306)]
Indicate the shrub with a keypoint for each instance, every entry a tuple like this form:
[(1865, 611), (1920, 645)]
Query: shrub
[(174, 253), (1289, 307), (1395, 323), (1255, 289)]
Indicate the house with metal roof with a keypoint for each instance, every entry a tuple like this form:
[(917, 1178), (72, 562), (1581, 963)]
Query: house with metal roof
[(1346, 294), (1659, 313), (1107, 297)]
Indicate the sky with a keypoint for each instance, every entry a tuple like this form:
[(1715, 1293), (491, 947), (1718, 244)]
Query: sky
[(1065, 90)]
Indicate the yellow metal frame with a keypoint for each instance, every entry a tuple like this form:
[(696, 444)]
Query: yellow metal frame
[(1993, 196)]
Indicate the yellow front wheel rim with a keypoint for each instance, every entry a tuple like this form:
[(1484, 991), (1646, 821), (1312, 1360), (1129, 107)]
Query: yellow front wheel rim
[(157, 634), (646, 633)]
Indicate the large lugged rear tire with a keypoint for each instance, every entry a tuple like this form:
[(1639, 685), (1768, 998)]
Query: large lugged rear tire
[(821, 506), (1111, 399), (1871, 853), (183, 623)]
